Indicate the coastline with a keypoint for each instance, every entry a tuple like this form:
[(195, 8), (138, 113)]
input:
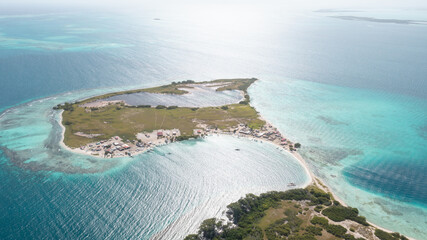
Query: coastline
[(312, 178), (78, 150), (295, 154)]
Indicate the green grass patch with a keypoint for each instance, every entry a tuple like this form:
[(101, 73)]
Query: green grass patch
[(126, 122)]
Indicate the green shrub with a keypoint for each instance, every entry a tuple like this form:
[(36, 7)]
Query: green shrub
[(382, 235), (160, 107), (278, 229), (208, 228), (318, 208), (341, 213), (349, 237), (336, 230), (314, 230), (172, 107), (320, 197), (224, 107), (320, 221), (144, 106), (66, 107), (303, 237), (294, 222)]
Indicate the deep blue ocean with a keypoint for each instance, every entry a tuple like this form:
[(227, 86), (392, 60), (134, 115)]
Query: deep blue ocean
[(354, 93)]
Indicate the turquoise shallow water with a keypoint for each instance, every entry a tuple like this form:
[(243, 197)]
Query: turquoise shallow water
[(79, 196), (368, 144)]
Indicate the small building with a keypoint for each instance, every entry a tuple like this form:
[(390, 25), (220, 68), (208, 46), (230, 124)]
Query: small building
[(159, 134)]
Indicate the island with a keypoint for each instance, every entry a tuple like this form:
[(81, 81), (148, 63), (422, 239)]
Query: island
[(107, 128), (296, 214)]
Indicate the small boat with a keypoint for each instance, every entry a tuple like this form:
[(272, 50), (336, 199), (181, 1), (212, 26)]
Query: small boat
[(237, 149), (291, 184)]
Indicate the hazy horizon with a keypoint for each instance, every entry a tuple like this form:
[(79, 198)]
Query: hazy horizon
[(162, 5)]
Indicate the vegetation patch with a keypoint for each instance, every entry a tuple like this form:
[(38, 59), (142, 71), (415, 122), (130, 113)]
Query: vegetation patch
[(319, 221), (341, 213), (336, 230), (314, 230), (382, 235), (278, 215)]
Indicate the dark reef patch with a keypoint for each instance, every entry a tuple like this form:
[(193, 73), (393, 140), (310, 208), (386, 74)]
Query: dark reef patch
[(422, 132), (328, 155), (331, 121)]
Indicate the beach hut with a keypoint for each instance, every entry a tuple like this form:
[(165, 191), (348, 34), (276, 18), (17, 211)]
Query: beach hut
[(159, 134)]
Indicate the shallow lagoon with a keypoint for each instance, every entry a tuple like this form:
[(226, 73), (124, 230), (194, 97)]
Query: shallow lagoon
[(199, 96)]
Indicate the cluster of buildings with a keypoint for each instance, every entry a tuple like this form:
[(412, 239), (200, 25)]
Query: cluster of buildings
[(116, 147), (106, 148), (267, 133)]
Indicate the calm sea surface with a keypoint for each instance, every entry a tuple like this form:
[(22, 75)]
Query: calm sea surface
[(354, 93)]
